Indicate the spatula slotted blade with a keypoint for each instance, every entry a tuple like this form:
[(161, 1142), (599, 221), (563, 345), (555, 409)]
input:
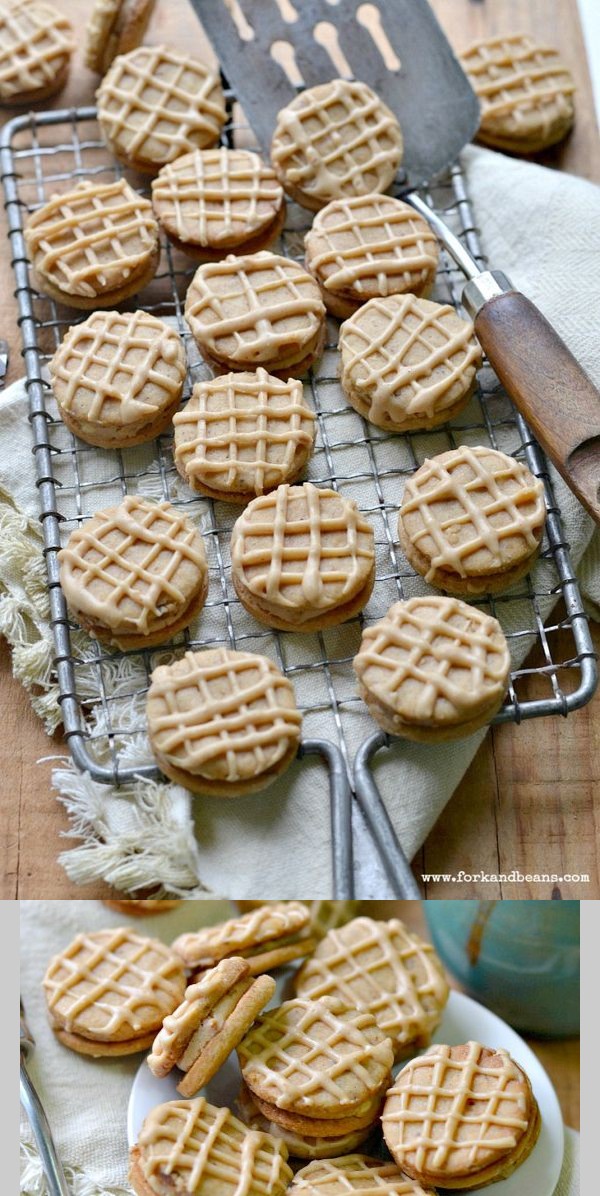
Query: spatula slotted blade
[(429, 92)]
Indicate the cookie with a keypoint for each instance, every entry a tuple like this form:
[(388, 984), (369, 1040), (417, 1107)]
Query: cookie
[(93, 246), (195, 1148), (241, 435), (408, 363), (356, 1173), (315, 1060), (260, 936), (155, 104), (335, 140), (302, 559), (370, 246), (363, 1118), (217, 201), (524, 90), (118, 378), (299, 1146), (472, 520), (221, 722), (212, 1019), (114, 27), (36, 44), (434, 668), (135, 574), (139, 909), (384, 968), (108, 991), (258, 309), (461, 1116)]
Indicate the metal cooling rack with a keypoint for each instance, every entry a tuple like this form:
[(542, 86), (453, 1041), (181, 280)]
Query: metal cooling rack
[(41, 153)]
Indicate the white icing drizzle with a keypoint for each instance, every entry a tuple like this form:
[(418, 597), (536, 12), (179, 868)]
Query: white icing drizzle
[(337, 139), (92, 238), (36, 43), (155, 103), (243, 718), (243, 431), (211, 196), (380, 967), (521, 86), (371, 242), (455, 653), (267, 924), (495, 485)]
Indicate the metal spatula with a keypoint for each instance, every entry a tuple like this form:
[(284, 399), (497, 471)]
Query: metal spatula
[(400, 50)]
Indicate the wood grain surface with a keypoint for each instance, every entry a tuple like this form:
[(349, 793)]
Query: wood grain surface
[(526, 803)]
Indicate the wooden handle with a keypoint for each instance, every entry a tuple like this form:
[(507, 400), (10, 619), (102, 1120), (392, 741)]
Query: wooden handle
[(549, 387)]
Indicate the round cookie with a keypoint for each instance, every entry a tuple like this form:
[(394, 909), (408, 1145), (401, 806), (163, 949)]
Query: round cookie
[(135, 574), (300, 1146), (243, 434), (524, 90), (472, 520), (355, 1173), (461, 1116), (118, 378), (114, 27), (155, 104), (434, 668), (302, 559), (337, 139), (408, 362), (222, 722), (95, 245), (217, 201), (384, 968), (212, 1019), (258, 309), (263, 937), (189, 1146), (36, 44), (363, 247), (314, 1060), (109, 990)]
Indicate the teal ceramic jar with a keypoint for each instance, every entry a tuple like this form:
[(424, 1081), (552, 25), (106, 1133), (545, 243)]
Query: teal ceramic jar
[(519, 958)]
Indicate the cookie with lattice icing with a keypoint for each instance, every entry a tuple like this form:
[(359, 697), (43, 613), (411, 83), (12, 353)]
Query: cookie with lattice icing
[(384, 968), (316, 1060), (407, 362), (323, 914), (155, 104), (222, 722), (302, 558), (362, 247), (525, 93), (118, 378), (36, 44), (212, 1019), (266, 936), (356, 1173), (472, 520), (434, 668), (217, 201), (115, 27), (197, 1149), (108, 991), (335, 140), (461, 1116), (257, 309), (300, 1146), (241, 435), (135, 574), (95, 245)]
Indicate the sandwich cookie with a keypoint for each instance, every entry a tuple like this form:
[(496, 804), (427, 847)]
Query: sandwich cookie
[(267, 937), (358, 1174), (114, 27), (299, 1146), (36, 44)]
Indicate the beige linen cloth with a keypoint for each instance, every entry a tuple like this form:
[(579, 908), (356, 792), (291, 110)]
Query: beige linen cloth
[(543, 229), (86, 1099)]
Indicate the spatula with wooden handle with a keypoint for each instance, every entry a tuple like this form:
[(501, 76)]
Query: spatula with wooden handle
[(268, 49)]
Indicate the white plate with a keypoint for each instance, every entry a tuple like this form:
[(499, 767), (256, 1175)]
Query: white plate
[(463, 1020)]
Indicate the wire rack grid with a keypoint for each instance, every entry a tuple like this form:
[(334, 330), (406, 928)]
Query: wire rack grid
[(44, 153)]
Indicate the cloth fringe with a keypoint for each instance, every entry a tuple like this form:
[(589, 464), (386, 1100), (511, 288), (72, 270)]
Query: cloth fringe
[(33, 1180)]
